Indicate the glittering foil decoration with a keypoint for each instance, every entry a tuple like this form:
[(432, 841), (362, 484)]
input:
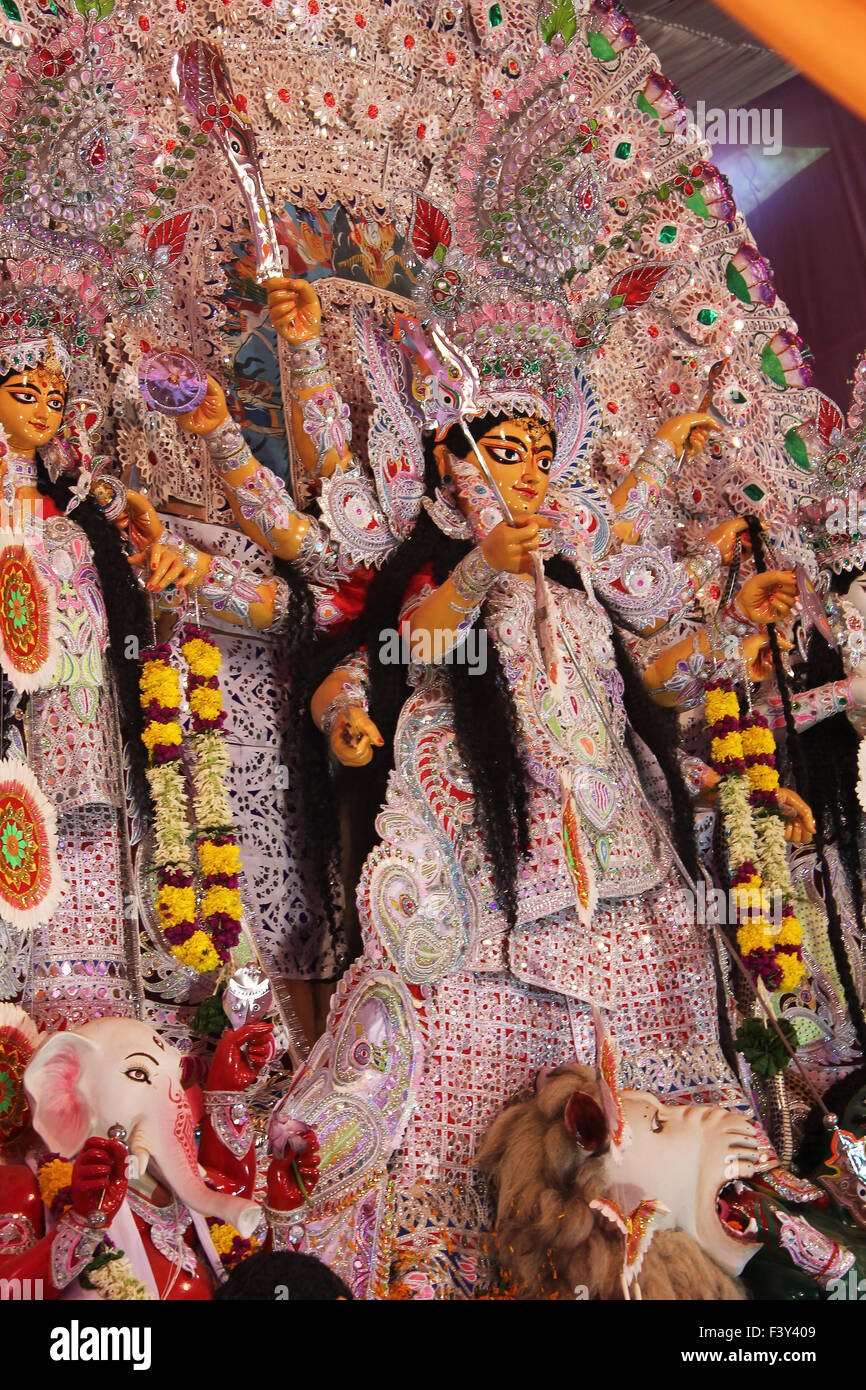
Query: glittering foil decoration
[(171, 381)]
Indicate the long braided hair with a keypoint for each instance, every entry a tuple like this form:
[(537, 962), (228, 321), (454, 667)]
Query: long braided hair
[(486, 725)]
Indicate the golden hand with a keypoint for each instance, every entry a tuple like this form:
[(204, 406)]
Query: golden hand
[(689, 432), (353, 736), (208, 416), (294, 310)]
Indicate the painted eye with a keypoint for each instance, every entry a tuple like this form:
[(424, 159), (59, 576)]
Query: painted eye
[(502, 454), (56, 404), (545, 464), (137, 1074), (657, 1124)]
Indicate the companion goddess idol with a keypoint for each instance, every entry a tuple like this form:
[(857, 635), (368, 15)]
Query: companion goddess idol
[(523, 873)]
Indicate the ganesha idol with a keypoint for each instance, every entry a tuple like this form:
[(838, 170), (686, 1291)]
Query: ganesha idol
[(606, 1194), (122, 1205)]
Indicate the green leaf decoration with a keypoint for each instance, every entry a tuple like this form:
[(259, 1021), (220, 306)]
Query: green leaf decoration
[(209, 1017), (736, 284), (762, 1048), (697, 204), (600, 47), (558, 17), (772, 367), (797, 449)]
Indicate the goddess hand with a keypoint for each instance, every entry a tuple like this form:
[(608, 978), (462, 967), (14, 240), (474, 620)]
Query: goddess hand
[(99, 1178), (725, 537), (166, 568), (688, 431), (208, 416), (799, 821), (294, 310), (758, 655), (353, 736), (767, 598), (140, 521), (510, 548), (858, 690)]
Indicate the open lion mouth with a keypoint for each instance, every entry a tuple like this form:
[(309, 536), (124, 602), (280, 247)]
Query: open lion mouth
[(735, 1207)]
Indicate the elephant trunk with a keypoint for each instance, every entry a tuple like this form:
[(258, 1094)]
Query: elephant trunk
[(175, 1157)]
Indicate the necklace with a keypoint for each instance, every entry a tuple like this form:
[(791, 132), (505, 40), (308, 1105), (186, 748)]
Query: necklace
[(168, 1225)]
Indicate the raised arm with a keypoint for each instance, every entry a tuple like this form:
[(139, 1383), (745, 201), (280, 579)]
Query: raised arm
[(639, 494), (321, 429), (259, 499)]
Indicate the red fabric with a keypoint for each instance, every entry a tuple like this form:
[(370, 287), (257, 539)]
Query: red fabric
[(417, 584), (338, 608)]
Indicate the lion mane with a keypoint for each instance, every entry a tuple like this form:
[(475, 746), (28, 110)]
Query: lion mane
[(548, 1241)]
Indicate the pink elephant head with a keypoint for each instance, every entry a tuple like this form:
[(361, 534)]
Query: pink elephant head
[(118, 1071)]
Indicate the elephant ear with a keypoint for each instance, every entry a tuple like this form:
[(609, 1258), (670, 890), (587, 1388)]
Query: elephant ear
[(63, 1113)]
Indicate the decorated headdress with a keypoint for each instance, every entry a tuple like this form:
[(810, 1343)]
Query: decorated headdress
[(46, 317), (78, 162), (830, 516)]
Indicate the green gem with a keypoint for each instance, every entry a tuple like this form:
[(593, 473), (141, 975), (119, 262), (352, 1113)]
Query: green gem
[(707, 317), (753, 492), (737, 398), (623, 150), (494, 14), (8, 1090), (668, 234), (11, 11)]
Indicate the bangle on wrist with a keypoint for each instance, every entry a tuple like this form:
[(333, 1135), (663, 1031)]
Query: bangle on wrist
[(473, 577), (182, 548), (347, 697), (226, 446), (656, 461), (704, 564)]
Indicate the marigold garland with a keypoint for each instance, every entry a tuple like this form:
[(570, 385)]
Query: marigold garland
[(743, 753), (201, 928), (229, 1244)]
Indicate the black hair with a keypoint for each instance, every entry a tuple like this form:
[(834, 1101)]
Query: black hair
[(815, 1141), (274, 1275), (486, 724), (827, 785), (126, 609)]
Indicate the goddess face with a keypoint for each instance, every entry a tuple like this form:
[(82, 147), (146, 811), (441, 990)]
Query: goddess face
[(857, 594), (31, 409), (519, 454), (692, 1158)]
